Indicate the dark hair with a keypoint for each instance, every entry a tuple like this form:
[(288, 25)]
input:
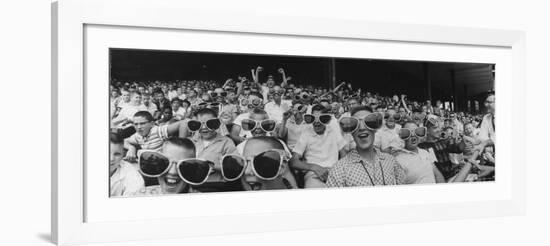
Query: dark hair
[(186, 101), (255, 93), (144, 114), (158, 90), (175, 99), (115, 138), (356, 109), (181, 142), (204, 111), (258, 111), (272, 140), (319, 107)]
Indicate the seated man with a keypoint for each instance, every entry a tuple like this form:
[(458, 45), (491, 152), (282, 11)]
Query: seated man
[(125, 180), (319, 146), (365, 165), (163, 165), (263, 165)]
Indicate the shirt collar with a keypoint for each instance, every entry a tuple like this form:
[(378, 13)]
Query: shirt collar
[(355, 157)]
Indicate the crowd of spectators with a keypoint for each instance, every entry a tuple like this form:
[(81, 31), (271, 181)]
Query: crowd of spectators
[(188, 136)]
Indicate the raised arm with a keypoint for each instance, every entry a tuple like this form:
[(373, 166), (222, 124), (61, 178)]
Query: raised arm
[(227, 82), (285, 79)]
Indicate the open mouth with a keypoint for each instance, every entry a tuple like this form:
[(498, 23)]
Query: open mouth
[(171, 181), (255, 185), (363, 135)]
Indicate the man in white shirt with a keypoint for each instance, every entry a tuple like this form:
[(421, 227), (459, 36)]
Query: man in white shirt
[(276, 108), (487, 128), (319, 147)]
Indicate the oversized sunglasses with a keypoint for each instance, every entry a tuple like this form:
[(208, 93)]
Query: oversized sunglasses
[(212, 124), (218, 94), (193, 171), (322, 118), (405, 133), (255, 102), (267, 125), (266, 165), (350, 124)]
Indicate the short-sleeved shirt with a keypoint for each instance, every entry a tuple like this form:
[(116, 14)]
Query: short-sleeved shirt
[(294, 131), (126, 181), (418, 166), (487, 128), (153, 141), (320, 149), (214, 151), (353, 170), (275, 111)]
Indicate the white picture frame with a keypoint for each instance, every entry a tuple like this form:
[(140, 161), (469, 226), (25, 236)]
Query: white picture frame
[(79, 212)]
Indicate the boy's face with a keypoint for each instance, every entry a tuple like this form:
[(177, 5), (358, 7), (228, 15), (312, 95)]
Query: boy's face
[(171, 183), (249, 181), (258, 131), (205, 132), (116, 155), (142, 125), (318, 127)]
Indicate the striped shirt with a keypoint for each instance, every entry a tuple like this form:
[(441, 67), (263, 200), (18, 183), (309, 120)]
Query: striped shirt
[(153, 141), (353, 170)]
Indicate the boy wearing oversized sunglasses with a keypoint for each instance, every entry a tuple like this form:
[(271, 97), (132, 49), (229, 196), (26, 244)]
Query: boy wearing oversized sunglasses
[(212, 146), (418, 163), (175, 166), (261, 164), (319, 147)]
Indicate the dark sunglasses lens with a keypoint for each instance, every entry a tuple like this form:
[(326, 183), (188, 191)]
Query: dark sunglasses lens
[(420, 131), (325, 119), (373, 121), (267, 164), (248, 125), (404, 133), (309, 118), (223, 94), (268, 125), (348, 124), (300, 108), (153, 164), (232, 167), (213, 124), (195, 171), (193, 125)]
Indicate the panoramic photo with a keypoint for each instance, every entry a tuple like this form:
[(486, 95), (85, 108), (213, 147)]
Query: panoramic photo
[(201, 122)]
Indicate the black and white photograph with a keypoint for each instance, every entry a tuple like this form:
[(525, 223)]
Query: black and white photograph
[(202, 122)]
